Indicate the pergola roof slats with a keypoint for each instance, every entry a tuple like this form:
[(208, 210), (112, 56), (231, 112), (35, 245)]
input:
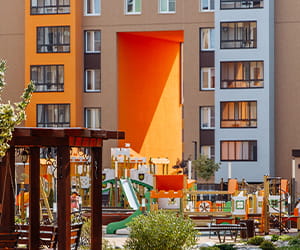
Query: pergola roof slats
[(59, 136), (63, 139)]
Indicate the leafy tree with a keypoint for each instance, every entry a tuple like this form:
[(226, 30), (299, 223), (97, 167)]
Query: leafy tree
[(11, 115), (205, 167)]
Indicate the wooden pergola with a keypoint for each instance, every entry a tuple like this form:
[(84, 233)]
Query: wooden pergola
[(63, 139)]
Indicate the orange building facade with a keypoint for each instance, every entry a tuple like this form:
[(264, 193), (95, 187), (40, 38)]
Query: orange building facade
[(143, 67)]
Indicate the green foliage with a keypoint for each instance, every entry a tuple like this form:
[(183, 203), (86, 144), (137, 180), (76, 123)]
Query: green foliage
[(294, 242), (11, 115), (256, 240), (106, 245), (209, 248), (205, 167), (267, 245), (226, 247), (285, 237), (275, 237), (288, 248), (161, 230)]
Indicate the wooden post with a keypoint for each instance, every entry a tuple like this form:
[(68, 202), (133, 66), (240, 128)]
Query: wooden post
[(34, 198), (63, 198), (8, 206), (96, 199)]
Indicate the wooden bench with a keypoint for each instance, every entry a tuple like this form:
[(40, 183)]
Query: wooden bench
[(223, 229), (8, 241), (75, 235), (48, 236)]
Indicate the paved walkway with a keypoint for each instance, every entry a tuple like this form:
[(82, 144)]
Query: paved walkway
[(121, 236), (204, 239)]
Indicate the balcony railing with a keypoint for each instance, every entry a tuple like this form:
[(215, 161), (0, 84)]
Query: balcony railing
[(241, 4)]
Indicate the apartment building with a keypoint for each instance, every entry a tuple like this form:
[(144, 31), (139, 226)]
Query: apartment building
[(181, 78)]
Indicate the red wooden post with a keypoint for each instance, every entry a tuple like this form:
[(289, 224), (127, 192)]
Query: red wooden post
[(63, 198), (96, 199), (34, 198)]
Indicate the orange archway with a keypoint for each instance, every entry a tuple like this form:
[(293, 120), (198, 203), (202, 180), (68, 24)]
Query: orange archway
[(150, 110)]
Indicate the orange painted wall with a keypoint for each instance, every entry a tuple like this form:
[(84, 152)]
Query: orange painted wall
[(73, 75), (149, 106)]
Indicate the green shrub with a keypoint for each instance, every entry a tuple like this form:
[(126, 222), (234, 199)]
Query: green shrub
[(161, 230), (285, 237), (256, 240), (226, 246), (209, 248), (267, 245), (288, 248), (294, 242), (106, 245), (275, 237)]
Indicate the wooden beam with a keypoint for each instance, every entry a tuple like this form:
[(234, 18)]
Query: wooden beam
[(67, 132), (34, 198), (63, 198), (96, 198), (44, 141)]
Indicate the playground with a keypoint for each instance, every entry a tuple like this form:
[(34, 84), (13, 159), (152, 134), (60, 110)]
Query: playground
[(136, 185)]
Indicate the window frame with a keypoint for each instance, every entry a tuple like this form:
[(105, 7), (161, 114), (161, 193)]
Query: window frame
[(259, 4), (134, 12), (211, 151), (236, 109), (55, 107), (59, 68), (247, 32), (210, 39), (168, 11), (211, 118), (209, 9), (249, 82), (94, 42), (210, 83), (94, 82), (251, 156), (86, 109), (55, 7), (94, 13), (55, 33)]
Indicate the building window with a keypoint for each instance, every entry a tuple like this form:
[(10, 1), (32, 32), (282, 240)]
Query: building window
[(242, 74), (133, 6), (239, 114), (241, 4), (93, 41), (92, 117), (207, 5), (92, 7), (53, 39), (92, 80), (207, 39), (207, 117), (208, 151), (47, 77), (238, 35), (167, 6), (43, 7), (238, 150), (53, 115), (207, 78)]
